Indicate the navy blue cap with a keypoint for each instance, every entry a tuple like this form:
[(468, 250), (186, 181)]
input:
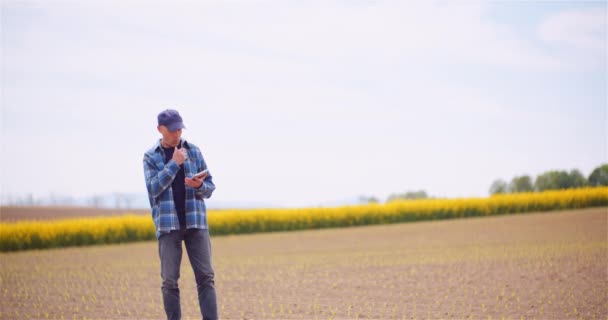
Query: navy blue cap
[(170, 119)]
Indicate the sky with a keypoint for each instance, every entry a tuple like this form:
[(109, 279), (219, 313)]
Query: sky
[(302, 103)]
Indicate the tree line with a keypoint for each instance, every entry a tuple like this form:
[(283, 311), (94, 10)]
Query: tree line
[(552, 180), (549, 180), (410, 195), (115, 200)]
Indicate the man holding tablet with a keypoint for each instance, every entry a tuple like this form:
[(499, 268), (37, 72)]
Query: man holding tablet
[(178, 181)]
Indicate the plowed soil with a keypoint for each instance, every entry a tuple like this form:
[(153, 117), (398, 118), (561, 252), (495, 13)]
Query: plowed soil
[(541, 265)]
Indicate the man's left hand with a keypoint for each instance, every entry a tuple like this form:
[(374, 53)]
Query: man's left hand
[(194, 183)]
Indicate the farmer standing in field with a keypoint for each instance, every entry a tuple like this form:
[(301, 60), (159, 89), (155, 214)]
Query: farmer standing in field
[(179, 213)]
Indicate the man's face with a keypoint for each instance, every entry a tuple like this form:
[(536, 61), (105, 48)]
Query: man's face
[(170, 138)]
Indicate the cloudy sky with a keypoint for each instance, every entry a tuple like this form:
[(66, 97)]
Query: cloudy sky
[(300, 103)]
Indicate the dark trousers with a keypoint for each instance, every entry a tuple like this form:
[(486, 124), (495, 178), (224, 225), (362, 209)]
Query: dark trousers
[(198, 247)]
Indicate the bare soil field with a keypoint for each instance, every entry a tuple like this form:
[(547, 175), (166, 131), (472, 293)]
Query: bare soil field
[(531, 266), (10, 214)]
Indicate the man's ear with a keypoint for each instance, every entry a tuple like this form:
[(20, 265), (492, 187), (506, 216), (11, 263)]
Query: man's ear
[(159, 129)]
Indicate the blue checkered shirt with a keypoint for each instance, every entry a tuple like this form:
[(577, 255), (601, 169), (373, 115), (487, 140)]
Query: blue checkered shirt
[(159, 176)]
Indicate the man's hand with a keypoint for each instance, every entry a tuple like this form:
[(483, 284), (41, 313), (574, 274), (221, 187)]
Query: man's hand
[(195, 183), (179, 155)]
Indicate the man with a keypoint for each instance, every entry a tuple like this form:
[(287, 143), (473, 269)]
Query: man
[(179, 213)]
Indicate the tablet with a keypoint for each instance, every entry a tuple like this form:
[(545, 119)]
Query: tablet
[(201, 174)]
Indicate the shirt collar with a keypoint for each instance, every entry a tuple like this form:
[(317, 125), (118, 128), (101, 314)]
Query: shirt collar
[(184, 143)]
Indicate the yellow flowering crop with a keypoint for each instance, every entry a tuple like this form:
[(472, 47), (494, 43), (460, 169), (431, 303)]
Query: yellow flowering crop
[(74, 232), (261, 220), (101, 230)]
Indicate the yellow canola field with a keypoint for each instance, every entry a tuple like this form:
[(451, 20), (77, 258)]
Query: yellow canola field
[(25, 235), (261, 220), (74, 232)]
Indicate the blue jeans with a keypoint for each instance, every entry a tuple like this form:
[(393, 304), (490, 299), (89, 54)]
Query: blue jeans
[(199, 253)]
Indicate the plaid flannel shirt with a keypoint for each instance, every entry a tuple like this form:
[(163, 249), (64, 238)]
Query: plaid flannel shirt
[(159, 176)]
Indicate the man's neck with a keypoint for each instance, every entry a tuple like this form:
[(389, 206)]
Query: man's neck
[(164, 144)]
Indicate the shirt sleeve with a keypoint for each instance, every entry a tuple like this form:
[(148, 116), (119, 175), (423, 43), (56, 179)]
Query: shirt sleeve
[(207, 187), (158, 181)]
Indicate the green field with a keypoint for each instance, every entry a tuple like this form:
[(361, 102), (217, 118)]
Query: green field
[(541, 265)]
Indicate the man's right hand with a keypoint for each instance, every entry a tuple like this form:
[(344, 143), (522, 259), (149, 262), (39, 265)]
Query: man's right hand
[(179, 155)]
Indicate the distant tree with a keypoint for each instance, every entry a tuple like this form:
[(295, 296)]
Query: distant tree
[(29, 200), (395, 196), (96, 201), (53, 199), (599, 176), (409, 195), (420, 194), (551, 180), (576, 179), (521, 184), (498, 186), (366, 199), (560, 179), (118, 200), (129, 199)]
